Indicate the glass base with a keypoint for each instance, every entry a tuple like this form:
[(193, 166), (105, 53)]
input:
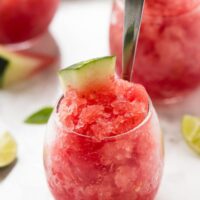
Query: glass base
[(169, 101), (182, 105), (180, 98)]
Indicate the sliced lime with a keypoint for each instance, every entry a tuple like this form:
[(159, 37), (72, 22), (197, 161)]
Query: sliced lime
[(191, 132), (8, 149)]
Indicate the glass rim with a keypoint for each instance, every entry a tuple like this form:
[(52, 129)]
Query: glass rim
[(141, 124)]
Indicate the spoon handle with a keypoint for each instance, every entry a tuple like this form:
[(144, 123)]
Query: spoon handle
[(132, 21)]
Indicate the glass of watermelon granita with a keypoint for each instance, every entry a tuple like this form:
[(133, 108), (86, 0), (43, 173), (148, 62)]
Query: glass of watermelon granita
[(104, 141), (26, 46), (22, 20), (167, 61)]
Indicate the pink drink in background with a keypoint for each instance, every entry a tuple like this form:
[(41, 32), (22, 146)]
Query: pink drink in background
[(167, 61), (104, 145), (24, 34), (21, 20)]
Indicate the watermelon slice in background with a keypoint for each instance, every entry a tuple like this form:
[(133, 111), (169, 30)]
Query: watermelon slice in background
[(18, 66)]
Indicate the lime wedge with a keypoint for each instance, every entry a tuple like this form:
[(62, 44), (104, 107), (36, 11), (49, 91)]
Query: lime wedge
[(191, 132), (8, 149)]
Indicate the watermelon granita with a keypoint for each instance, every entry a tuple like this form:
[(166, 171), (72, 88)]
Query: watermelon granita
[(22, 20), (167, 61), (103, 140)]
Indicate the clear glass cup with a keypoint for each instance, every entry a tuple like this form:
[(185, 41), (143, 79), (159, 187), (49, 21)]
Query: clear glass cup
[(22, 20), (124, 167), (24, 35), (167, 60)]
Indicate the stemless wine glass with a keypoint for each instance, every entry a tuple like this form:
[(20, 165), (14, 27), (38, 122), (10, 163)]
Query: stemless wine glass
[(22, 20), (167, 61), (123, 167), (24, 38)]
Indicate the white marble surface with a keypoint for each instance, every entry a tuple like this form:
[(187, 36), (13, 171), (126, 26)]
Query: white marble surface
[(81, 31)]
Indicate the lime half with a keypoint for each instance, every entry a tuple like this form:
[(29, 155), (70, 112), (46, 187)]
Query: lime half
[(8, 149), (191, 132)]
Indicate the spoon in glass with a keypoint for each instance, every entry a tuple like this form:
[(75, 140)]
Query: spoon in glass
[(132, 21)]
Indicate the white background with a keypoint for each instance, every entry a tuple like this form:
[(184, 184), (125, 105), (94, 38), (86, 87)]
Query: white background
[(81, 31)]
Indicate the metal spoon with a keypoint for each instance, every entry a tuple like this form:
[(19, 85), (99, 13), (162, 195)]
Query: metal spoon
[(132, 21)]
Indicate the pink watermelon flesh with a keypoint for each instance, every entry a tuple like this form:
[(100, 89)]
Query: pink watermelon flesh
[(110, 111)]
